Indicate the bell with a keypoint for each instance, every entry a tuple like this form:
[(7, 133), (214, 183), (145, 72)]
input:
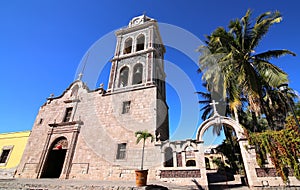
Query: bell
[(138, 71)]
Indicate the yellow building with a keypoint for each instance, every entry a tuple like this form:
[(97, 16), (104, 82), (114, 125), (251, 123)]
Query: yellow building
[(12, 146)]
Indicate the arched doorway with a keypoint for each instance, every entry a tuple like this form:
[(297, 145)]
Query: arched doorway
[(235, 171), (207, 163), (55, 160), (168, 157)]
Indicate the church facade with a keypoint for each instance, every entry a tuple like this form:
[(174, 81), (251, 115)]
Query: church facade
[(90, 134)]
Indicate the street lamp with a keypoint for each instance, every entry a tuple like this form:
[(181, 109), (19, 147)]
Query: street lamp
[(284, 88)]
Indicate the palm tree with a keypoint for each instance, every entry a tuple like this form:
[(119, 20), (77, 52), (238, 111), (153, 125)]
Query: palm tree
[(143, 135), (232, 67)]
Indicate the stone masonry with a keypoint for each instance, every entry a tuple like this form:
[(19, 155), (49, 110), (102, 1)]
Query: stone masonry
[(97, 126)]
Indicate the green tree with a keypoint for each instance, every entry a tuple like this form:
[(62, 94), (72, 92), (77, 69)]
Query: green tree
[(233, 69), (297, 109), (143, 135)]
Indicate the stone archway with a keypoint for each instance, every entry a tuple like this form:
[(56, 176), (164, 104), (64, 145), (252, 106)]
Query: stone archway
[(55, 160), (237, 128), (168, 161), (217, 119)]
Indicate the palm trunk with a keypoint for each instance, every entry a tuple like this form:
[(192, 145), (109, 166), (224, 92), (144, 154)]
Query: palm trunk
[(143, 155), (254, 121), (266, 112), (228, 136)]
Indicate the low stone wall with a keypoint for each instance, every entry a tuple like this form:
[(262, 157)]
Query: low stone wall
[(269, 178), (180, 174), (7, 173), (270, 172)]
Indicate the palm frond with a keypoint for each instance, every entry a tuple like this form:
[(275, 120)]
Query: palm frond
[(270, 74), (260, 28), (204, 95), (273, 54), (143, 135)]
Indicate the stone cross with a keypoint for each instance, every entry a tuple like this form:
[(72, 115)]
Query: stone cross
[(80, 76), (214, 103)]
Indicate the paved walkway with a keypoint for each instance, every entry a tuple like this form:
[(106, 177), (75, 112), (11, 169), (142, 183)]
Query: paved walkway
[(58, 184), (61, 184), (55, 184)]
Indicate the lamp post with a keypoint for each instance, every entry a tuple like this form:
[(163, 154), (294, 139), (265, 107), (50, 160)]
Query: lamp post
[(284, 88)]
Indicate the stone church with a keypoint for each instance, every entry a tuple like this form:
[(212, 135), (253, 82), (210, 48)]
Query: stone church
[(90, 133)]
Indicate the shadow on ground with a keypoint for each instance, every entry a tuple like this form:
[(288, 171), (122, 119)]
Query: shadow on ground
[(220, 177), (223, 186), (157, 187)]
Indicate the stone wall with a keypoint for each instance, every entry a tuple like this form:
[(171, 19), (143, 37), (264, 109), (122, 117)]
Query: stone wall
[(184, 173), (270, 172), (7, 173), (96, 128)]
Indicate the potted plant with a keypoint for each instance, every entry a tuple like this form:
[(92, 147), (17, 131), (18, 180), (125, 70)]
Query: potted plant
[(141, 175)]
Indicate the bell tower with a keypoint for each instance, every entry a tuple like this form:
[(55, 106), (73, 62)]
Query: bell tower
[(138, 59), (138, 63)]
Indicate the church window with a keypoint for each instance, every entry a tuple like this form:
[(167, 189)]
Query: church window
[(6, 151), (121, 153), (123, 80), (41, 121), (68, 114), (126, 107), (127, 46), (137, 74), (190, 156), (140, 43)]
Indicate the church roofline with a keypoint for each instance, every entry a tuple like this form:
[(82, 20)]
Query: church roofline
[(68, 88), (139, 20), (126, 30)]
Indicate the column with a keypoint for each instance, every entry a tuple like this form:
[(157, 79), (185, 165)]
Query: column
[(71, 150), (203, 180), (162, 159), (183, 159), (174, 159)]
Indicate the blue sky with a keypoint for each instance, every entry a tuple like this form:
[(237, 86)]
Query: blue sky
[(43, 42)]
